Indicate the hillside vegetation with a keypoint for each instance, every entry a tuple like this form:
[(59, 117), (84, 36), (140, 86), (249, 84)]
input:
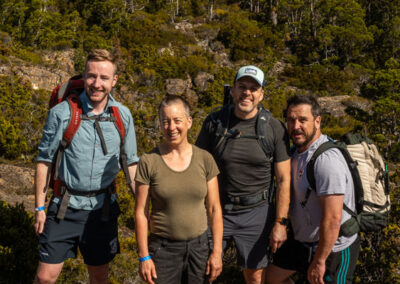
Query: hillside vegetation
[(191, 48)]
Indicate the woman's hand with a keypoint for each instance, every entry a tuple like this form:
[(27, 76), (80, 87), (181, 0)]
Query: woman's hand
[(214, 266), (147, 271)]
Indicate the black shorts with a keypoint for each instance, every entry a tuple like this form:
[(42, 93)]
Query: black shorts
[(249, 229), (97, 240), (180, 261), (297, 256)]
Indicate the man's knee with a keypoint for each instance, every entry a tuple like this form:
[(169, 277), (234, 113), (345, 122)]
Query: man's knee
[(276, 275), (253, 276), (98, 274), (47, 273)]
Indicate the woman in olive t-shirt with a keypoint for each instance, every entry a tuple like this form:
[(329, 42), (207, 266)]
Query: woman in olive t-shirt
[(180, 179)]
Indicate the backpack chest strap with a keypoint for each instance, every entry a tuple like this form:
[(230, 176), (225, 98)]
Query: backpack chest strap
[(97, 119)]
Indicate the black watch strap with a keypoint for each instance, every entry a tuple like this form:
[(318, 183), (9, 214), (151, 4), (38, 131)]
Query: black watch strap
[(282, 220)]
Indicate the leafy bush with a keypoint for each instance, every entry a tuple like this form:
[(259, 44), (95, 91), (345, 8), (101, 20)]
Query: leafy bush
[(245, 38), (323, 80), (22, 116), (18, 245), (12, 143)]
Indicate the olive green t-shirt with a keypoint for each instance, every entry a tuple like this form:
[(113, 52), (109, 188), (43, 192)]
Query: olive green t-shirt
[(178, 198)]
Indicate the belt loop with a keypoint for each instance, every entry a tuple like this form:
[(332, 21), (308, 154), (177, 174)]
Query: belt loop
[(265, 195)]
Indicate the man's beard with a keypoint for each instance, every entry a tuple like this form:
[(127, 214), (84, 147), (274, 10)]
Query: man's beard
[(308, 138)]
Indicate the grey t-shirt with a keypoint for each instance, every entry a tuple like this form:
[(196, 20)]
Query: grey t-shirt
[(332, 176)]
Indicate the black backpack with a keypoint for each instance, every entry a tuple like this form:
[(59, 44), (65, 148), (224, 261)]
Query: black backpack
[(371, 183), (220, 119)]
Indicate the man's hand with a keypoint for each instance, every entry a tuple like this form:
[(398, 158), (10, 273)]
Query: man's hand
[(277, 237), (40, 219), (214, 266), (316, 271), (148, 271)]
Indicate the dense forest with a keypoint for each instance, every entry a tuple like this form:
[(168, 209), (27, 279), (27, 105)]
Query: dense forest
[(329, 48)]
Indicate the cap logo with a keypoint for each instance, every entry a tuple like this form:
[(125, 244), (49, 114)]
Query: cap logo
[(250, 71)]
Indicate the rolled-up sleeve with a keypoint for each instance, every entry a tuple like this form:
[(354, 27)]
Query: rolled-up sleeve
[(130, 145), (51, 136)]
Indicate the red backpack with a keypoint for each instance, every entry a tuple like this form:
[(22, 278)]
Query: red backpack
[(69, 91)]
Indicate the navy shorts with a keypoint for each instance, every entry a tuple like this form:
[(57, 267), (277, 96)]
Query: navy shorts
[(249, 229), (297, 256), (180, 261), (97, 240)]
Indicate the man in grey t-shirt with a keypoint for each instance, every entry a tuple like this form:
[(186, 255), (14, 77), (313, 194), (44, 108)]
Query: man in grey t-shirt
[(316, 247)]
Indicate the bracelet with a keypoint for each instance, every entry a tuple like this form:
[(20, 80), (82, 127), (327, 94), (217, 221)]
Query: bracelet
[(142, 259), (41, 208)]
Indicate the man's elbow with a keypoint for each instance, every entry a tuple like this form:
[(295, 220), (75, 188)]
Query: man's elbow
[(334, 221)]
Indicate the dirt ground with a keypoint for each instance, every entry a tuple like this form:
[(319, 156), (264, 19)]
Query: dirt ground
[(16, 185)]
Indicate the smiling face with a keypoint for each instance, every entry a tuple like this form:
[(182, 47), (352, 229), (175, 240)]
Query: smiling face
[(303, 127), (99, 78), (175, 123), (246, 94)]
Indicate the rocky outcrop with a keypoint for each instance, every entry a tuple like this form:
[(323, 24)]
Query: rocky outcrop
[(177, 86), (202, 79), (60, 60), (184, 27), (59, 67), (182, 88), (336, 106), (41, 78), (222, 59), (16, 185)]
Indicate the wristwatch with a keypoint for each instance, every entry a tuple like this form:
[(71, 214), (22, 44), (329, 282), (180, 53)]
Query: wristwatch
[(282, 220)]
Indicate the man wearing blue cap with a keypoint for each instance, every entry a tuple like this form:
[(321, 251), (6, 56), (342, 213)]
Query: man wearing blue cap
[(250, 147)]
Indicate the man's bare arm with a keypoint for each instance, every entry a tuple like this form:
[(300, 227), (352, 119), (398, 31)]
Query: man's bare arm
[(282, 172), (331, 206), (42, 178)]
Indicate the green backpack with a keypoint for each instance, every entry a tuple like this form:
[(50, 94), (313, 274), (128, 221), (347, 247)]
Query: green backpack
[(371, 183)]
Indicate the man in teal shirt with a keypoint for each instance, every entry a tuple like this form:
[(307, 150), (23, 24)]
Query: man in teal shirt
[(87, 168)]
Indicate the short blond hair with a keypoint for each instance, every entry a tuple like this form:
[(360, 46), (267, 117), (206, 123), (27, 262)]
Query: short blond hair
[(102, 55)]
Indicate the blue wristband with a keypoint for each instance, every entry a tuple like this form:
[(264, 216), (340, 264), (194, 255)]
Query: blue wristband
[(41, 208), (142, 259)]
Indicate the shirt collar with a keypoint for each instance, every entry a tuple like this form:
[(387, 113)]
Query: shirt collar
[(87, 105), (313, 147)]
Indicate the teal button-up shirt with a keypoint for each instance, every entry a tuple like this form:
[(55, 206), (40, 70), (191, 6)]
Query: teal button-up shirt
[(83, 165)]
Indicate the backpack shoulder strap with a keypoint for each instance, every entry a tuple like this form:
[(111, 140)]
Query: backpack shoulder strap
[(263, 119), (310, 169), (352, 167), (75, 107), (118, 122), (122, 132), (220, 120), (310, 165)]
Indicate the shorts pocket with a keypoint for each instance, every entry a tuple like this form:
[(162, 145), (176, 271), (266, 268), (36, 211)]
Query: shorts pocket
[(154, 246), (52, 209)]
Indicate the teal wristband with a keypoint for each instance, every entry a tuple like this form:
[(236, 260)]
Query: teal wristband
[(41, 208), (142, 259)]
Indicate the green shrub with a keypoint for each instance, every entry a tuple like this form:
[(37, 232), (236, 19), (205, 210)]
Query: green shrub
[(323, 80), (18, 245), (22, 116), (12, 143)]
